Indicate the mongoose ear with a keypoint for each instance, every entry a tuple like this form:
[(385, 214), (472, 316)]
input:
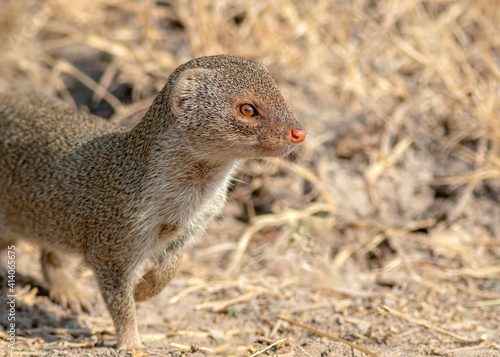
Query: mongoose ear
[(186, 87), (263, 65)]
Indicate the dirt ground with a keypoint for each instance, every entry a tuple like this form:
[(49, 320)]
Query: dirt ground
[(382, 230)]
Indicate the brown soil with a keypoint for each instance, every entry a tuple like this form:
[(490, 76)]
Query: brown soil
[(382, 230)]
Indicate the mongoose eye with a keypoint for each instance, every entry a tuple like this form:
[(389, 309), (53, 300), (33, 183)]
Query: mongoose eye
[(248, 110)]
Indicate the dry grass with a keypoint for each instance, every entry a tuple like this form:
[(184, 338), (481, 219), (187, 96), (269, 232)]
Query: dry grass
[(401, 99)]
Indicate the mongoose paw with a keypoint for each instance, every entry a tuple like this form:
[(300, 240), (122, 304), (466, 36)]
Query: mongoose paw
[(156, 279), (130, 345), (142, 292), (150, 285), (71, 297), (62, 285)]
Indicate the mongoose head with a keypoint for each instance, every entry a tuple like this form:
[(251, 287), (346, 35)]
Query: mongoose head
[(229, 107)]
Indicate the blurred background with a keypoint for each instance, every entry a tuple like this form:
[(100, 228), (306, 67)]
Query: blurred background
[(393, 200)]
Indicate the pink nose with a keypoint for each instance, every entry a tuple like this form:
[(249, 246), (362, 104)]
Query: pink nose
[(297, 135)]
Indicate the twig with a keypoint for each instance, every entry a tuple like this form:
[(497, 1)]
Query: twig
[(268, 347), (277, 325), (17, 352), (68, 344), (469, 348), (493, 302), (310, 308), (304, 351), (229, 333), (331, 337), (62, 331), (479, 273), (426, 324), (350, 292), (190, 348)]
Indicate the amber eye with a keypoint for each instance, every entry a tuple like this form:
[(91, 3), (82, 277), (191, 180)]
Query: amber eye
[(248, 110)]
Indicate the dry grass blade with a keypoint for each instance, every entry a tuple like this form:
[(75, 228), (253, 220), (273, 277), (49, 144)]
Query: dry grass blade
[(102, 92), (268, 347), (483, 272), (64, 331), (465, 349), (494, 302), (271, 220), (331, 337), (102, 44), (132, 109), (427, 324), (191, 348), (208, 334), (308, 175), (373, 173)]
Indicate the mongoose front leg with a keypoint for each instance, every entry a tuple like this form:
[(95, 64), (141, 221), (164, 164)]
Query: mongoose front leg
[(62, 286), (116, 284), (155, 280)]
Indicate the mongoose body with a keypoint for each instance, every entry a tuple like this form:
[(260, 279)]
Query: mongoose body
[(73, 182)]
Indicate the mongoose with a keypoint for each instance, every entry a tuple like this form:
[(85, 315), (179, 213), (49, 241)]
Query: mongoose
[(72, 182)]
